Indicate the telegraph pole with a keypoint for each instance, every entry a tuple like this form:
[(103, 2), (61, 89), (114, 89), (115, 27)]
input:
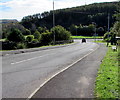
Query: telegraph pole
[(53, 23), (108, 22), (108, 27)]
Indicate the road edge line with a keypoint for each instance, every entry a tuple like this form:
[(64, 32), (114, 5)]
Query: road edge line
[(47, 80)]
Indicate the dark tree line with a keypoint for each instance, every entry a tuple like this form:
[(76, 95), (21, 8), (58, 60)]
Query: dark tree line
[(84, 15)]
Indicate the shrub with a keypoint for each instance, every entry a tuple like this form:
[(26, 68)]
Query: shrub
[(21, 46), (8, 45), (35, 41), (29, 38), (46, 38), (37, 35), (60, 33), (15, 36)]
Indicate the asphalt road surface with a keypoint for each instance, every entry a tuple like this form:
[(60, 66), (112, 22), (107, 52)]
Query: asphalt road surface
[(78, 81), (23, 73)]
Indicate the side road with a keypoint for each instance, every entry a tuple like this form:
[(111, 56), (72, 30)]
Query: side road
[(3, 53), (77, 81)]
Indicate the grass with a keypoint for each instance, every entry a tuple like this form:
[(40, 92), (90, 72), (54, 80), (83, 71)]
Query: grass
[(79, 37), (2, 40), (99, 41), (107, 83)]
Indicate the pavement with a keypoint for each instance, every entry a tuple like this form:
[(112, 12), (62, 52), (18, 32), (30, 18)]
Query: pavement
[(78, 81)]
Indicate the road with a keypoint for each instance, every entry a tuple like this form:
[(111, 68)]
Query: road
[(23, 73), (78, 81)]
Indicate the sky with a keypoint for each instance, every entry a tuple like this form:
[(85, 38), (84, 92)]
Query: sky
[(17, 9)]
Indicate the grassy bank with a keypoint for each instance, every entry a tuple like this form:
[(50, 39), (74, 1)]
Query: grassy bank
[(79, 37), (107, 83)]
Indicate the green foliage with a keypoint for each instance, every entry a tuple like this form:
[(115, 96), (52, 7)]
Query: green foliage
[(101, 31), (83, 30), (7, 27), (107, 37), (60, 33), (35, 41), (15, 35), (21, 46), (84, 15), (42, 29), (111, 36), (73, 29), (116, 28), (46, 38), (27, 32), (37, 35), (29, 38)]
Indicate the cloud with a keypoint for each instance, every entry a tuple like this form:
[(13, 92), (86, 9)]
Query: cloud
[(17, 9), (21, 8)]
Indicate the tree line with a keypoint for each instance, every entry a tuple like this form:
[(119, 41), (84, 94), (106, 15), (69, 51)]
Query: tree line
[(18, 39), (84, 15)]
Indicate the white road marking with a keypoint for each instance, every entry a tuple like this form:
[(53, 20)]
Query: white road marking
[(30, 59), (91, 49), (47, 80)]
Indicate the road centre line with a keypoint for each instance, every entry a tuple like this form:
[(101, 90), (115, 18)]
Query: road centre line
[(30, 59), (47, 80)]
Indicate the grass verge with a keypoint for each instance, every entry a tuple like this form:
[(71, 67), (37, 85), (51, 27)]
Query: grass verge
[(99, 41), (107, 82), (79, 37)]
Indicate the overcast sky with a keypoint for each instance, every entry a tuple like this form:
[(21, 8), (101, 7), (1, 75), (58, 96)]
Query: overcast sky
[(17, 9)]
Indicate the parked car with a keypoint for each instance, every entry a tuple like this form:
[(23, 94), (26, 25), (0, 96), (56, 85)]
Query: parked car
[(83, 40)]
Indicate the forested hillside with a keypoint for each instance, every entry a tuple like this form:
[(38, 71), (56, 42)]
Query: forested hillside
[(85, 15)]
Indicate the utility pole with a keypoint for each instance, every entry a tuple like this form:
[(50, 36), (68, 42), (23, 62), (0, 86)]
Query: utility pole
[(108, 22), (108, 27), (94, 30), (53, 23)]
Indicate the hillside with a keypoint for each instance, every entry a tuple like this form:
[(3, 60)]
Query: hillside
[(5, 21), (85, 15)]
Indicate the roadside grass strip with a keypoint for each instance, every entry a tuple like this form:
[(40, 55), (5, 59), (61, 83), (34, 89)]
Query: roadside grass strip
[(79, 37), (107, 80)]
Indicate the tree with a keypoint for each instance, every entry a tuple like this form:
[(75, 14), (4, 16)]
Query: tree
[(100, 31), (42, 29), (15, 36), (96, 12), (60, 33), (27, 32), (73, 29)]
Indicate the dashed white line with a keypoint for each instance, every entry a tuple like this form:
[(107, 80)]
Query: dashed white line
[(30, 59)]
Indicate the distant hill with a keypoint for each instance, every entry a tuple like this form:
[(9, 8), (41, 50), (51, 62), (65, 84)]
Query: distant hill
[(5, 21), (97, 12)]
